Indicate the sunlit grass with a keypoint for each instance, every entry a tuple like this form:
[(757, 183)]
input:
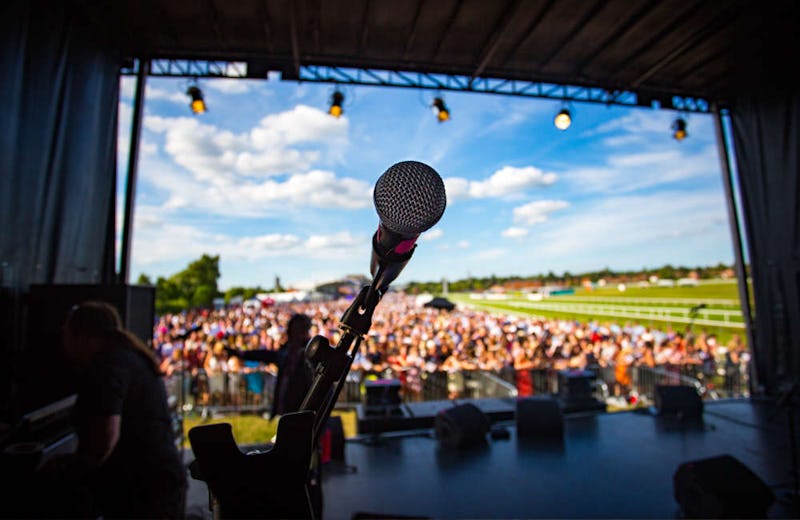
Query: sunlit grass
[(254, 429)]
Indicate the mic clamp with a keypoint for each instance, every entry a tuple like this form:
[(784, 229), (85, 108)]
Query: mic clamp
[(387, 265)]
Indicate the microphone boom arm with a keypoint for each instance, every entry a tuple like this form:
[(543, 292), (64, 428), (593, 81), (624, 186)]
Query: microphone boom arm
[(332, 364)]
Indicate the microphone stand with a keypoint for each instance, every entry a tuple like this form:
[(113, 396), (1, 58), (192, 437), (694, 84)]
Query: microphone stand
[(332, 364)]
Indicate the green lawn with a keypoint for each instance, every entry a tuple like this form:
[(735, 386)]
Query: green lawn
[(610, 304), (254, 429)]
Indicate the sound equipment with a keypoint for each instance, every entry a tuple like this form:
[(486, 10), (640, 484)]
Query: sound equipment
[(462, 426), (720, 487), (539, 417), (678, 401), (576, 385), (382, 397)]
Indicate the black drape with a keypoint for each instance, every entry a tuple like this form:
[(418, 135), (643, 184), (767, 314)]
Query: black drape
[(766, 133), (58, 119), (59, 95)]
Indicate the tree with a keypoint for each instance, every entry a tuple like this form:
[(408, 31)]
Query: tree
[(144, 280), (195, 286)]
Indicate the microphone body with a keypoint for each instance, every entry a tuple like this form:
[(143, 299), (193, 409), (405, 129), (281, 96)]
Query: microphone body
[(409, 198)]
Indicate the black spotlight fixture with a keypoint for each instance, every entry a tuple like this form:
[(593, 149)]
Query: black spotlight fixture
[(337, 99), (563, 119), (197, 104), (440, 109), (679, 129)]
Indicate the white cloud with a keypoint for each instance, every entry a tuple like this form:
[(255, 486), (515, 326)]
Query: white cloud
[(267, 149), (244, 197), (628, 172), (176, 96), (514, 232), (157, 241), (463, 244), (433, 234), (537, 212), (148, 147), (228, 85), (230, 173), (615, 224), (330, 242), (505, 182)]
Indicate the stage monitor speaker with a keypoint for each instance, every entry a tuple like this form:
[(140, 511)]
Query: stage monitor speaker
[(43, 374), (720, 487), (462, 426), (539, 417), (382, 396), (678, 401)]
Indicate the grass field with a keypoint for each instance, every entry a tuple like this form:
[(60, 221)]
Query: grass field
[(657, 307), (254, 429)]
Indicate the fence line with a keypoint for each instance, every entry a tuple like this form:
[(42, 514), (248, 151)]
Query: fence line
[(603, 311), (687, 301), (252, 392)]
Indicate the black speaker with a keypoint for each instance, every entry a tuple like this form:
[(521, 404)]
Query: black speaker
[(539, 417), (720, 487), (462, 426), (42, 373), (382, 396), (678, 401)]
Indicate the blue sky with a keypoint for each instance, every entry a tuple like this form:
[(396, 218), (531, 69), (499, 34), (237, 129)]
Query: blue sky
[(276, 187)]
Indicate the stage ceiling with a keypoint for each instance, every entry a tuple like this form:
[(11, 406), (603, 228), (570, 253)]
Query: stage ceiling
[(667, 47)]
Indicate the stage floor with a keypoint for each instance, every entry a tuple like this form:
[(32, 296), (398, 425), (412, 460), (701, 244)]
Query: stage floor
[(617, 465), (610, 465)]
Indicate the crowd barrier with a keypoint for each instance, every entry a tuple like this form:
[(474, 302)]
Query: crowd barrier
[(251, 391)]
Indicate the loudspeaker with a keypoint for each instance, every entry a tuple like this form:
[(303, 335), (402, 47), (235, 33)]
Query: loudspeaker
[(678, 401), (42, 372), (382, 396), (720, 487), (462, 426), (576, 385), (539, 417)]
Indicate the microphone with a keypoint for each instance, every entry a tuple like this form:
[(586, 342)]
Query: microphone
[(409, 198)]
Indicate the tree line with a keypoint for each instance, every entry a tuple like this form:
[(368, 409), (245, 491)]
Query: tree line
[(570, 279), (196, 286)]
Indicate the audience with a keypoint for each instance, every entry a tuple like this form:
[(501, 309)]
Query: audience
[(407, 338)]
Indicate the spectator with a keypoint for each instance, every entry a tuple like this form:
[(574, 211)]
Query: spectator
[(294, 374)]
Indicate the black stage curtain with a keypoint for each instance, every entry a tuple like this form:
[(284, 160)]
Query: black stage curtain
[(58, 127), (766, 133)]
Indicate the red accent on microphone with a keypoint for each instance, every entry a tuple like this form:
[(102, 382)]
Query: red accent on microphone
[(405, 246)]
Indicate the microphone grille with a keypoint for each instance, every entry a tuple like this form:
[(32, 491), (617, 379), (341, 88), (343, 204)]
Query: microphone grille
[(409, 198)]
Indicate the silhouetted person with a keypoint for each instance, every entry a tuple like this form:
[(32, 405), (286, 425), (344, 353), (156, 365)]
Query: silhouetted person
[(126, 451), (294, 374)]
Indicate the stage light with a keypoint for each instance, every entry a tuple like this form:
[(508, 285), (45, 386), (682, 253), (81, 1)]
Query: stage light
[(440, 109), (679, 129), (198, 105), (336, 110), (563, 119)]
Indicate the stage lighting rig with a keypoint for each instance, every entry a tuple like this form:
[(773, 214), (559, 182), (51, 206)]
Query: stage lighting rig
[(337, 100), (563, 119), (197, 104), (440, 110), (679, 129)]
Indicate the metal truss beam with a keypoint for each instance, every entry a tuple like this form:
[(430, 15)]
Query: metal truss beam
[(429, 81)]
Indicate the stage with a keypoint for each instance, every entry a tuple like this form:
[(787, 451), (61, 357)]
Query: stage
[(618, 465)]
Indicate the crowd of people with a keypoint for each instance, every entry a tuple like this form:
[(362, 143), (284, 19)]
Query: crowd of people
[(410, 339)]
